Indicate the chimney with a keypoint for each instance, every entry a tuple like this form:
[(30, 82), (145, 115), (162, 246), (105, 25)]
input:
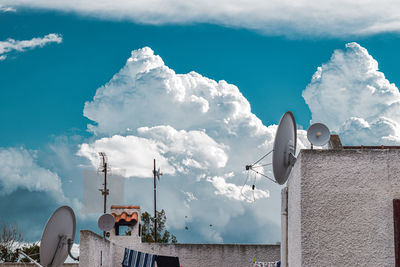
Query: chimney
[(334, 142), (127, 219)]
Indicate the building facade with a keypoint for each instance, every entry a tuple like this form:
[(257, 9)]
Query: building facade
[(340, 207)]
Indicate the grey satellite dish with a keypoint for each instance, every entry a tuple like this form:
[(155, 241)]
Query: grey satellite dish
[(283, 157), (58, 237), (106, 222), (318, 134)]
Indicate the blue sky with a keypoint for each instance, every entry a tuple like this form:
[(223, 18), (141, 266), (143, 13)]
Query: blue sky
[(44, 90)]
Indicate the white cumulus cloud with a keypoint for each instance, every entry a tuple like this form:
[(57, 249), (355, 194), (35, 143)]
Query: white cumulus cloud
[(353, 98), (11, 45), (282, 17), (202, 134), (19, 170)]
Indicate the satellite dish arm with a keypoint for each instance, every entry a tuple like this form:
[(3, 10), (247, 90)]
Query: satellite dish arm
[(70, 243), (29, 258), (260, 159)]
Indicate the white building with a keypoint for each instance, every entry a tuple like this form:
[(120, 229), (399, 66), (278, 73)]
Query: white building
[(340, 207), (98, 251)]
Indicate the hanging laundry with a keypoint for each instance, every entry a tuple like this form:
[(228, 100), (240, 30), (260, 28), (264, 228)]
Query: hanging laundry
[(133, 258), (166, 261)]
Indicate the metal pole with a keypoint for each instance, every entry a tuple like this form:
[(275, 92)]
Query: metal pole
[(284, 227), (105, 187), (155, 209)]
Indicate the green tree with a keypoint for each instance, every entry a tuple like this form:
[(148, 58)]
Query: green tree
[(33, 251), (10, 241), (163, 235)]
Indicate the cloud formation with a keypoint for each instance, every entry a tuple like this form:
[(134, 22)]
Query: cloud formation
[(353, 98), (20, 171), (201, 132), (281, 17), (7, 9), (11, 45)]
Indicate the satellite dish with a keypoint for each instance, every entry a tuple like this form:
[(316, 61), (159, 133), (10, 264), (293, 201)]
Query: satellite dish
[(58, 237), (283, 157), (318, 134), (106, 222)]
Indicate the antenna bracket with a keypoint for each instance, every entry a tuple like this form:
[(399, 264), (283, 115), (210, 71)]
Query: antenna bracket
[(70, 243)]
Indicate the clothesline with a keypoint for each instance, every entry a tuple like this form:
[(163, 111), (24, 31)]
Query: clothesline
[(133, 258)]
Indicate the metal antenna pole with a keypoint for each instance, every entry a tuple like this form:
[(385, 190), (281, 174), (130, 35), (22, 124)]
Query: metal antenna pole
[(105, 187), (104, 191), (155, 203)]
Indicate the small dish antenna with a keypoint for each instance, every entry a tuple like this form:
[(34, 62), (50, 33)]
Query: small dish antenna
[(318, 134), (283, 153), (106, 222)]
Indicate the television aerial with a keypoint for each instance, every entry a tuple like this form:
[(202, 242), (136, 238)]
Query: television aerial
[(57, 239), (318, 134), (283, 153)]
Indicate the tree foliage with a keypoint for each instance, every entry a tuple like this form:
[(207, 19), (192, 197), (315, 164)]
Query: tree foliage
[(10, 241), (32, 250), (163, 235)]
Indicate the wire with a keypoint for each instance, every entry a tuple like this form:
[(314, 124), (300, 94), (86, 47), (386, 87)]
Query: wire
[(241, 189), (255, 168), (262, 174)]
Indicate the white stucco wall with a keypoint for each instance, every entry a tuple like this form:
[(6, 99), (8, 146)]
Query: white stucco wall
[(94, 250), (340, 204), (190, 255), (294, 213)]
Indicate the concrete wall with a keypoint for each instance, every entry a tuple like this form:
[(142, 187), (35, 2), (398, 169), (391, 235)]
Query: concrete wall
[(340, 204), (294, 213), (94, 250), (31, 264), (190, 255)]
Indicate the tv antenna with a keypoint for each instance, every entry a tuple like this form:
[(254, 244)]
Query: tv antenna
[(57, 239), (283, 153), (157, 174), (104, 168), (318, 134)]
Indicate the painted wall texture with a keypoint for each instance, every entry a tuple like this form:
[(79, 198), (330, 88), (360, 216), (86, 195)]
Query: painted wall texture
[(190, 255), (340, 210)]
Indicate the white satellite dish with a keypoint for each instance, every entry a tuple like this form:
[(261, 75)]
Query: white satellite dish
[(57, 239), (106, 222), (283, 157), (318, 134)]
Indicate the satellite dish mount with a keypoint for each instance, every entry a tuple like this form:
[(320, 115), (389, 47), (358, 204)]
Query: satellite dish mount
[(283, 152)]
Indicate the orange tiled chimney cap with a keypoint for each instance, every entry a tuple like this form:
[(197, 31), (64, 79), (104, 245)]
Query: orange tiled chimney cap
[(126, 217), (124, 207)]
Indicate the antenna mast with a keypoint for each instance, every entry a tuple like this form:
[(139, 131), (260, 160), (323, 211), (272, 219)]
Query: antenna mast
[(103, 168), (157, 174), (155, 203)]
